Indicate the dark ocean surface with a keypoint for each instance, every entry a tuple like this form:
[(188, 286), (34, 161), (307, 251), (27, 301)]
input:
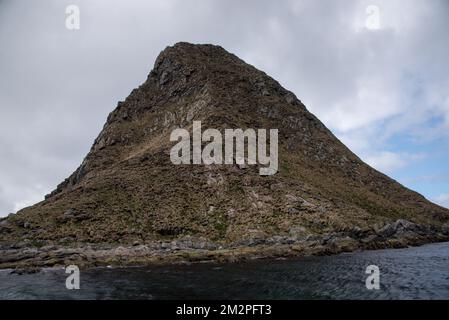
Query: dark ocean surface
[(411, 273)]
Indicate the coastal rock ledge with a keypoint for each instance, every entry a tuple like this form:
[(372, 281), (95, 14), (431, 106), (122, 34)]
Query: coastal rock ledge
[(23, 258)]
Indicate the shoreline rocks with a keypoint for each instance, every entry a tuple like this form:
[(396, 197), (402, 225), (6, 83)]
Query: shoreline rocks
[(188, 249)]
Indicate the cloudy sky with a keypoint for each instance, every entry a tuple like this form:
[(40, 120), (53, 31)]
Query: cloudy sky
[(375, 72)]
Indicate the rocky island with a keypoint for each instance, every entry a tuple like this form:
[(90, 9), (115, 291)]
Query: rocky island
[(127, 204)]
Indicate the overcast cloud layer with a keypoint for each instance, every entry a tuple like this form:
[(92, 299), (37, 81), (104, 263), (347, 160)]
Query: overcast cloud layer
[(383, 92)]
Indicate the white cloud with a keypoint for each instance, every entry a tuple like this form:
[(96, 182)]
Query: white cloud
[(442, 200), (387, 161)]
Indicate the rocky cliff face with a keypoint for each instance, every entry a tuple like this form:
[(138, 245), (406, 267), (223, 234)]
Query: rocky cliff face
[(127, 190)]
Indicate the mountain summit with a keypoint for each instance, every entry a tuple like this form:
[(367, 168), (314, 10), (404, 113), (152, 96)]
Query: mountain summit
[(127, 192)]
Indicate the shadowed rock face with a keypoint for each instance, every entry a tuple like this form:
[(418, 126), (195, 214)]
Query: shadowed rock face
[(127, 190)]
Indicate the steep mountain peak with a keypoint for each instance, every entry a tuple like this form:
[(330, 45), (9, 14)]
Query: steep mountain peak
[(180, 61), (127, 189), (185, 66), (193, 55)]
